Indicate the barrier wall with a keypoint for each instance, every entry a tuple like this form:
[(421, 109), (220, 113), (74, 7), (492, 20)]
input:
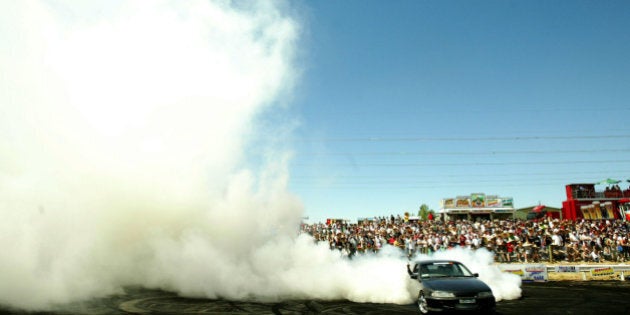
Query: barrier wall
[(527, 272), (540, 272)]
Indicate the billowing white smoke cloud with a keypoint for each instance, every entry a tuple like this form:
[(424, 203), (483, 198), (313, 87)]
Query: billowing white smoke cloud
[(123, 128), (123, 131)]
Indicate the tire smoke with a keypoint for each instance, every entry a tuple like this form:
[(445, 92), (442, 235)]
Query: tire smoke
[(125, 129)]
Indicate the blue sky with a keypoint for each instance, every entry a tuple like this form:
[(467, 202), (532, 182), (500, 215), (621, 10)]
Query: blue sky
[(404, 103)]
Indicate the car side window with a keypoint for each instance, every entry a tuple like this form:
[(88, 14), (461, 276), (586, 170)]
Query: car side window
[(457, 271), (424, 270)]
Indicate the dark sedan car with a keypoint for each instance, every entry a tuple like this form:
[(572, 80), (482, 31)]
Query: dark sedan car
[(447, 285)]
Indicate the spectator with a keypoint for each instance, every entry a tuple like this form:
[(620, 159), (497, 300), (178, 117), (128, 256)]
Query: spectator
[(509, 240), (606, 254)]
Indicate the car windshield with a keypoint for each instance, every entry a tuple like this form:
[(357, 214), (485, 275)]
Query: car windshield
[(443, 269)]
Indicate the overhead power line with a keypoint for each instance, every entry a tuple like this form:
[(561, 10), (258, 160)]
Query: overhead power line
[(597, 174), (463, 163), (419, 185), (464, 139), (405, 153)]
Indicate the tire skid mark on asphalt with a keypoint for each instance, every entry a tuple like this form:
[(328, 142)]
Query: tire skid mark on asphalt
[(130, 306), (288, 308), (545, 298), (314, 306), (192, 306)]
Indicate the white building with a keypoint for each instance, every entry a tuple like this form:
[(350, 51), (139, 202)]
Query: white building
[(477, 206)]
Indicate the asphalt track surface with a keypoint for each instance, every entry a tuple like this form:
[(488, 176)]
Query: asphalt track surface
[(554, 297)]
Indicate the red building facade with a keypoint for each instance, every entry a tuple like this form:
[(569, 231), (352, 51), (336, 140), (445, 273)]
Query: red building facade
[(584, 202)]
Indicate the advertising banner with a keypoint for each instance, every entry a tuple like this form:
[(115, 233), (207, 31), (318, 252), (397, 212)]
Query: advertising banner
[(458, 211), (567, 269), (448, 203), (481, 211), (586, 213), (478, 200), (610, 214), (527, 272), (462, 202), (596, 212), (493, 202), (602, 271)]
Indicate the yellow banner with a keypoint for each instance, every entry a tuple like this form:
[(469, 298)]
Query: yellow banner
[(602, 271), (518, 272)]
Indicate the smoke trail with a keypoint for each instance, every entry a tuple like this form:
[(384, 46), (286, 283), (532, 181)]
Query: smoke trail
[(124, 128)]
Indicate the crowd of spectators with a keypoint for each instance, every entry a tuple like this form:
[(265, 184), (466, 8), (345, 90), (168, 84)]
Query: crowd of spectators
[(615, 191), (544, 240)]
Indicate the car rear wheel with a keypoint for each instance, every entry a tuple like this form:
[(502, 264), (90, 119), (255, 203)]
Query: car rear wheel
[(423, 307)]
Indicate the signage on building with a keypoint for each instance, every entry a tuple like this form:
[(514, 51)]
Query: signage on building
[(478, 203), (493, 202), (478, 200), (462, 202), (448, 203)]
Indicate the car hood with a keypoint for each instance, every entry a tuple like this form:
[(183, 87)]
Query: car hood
[(460, 284)]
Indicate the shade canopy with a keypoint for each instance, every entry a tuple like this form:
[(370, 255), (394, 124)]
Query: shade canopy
[(609, 181)]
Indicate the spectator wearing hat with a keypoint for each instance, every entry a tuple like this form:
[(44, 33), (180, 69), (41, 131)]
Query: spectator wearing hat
[(583, 240)]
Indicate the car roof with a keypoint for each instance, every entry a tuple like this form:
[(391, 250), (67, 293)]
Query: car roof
[(431, 261)]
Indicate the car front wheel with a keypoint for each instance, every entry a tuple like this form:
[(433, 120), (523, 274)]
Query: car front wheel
[(423, 307)]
